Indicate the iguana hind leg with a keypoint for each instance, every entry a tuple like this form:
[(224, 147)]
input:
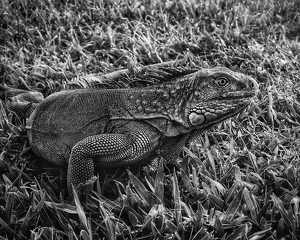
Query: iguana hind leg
[(22, 102), (108, 150)]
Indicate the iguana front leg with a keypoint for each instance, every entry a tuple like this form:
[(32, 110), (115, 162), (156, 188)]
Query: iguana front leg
[(171, 148), (109, 150)]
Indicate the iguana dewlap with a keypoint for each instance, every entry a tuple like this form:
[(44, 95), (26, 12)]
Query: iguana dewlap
[(115, 127)]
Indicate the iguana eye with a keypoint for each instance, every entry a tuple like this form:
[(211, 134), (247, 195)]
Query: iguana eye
[(222, 82)]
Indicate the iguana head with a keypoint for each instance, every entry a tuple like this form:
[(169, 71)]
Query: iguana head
[(214, 95)]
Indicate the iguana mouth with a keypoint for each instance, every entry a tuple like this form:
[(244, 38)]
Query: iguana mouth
[(234, 95)]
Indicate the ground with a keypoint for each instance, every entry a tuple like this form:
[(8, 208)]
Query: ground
[(239, 181)]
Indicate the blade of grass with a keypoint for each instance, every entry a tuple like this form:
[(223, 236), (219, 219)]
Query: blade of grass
[(240, 232), (81, 214), (176, 198), (141, 189), (158, 184)]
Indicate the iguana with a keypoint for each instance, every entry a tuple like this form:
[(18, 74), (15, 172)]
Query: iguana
[(84, 128)]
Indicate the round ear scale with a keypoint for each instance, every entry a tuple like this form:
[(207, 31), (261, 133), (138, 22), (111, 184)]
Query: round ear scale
[(196, 119)]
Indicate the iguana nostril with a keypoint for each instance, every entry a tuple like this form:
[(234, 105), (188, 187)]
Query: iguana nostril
[(252, 84)]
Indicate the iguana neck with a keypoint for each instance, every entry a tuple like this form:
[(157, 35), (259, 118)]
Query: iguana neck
[(167, 101)]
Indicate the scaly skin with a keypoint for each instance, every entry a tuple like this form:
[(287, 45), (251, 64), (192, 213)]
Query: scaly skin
[(85, 128)]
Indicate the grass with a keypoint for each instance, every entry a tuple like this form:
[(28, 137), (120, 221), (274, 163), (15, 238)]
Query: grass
[(245, 177)]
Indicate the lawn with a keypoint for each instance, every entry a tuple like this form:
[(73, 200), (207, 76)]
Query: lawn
[(240, 180)]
